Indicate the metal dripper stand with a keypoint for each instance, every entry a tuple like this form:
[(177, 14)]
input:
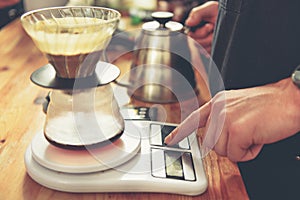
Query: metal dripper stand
[(82, 111)]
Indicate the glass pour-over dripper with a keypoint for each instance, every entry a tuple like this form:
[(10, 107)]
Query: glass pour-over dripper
[(74, 39), (67, 35)]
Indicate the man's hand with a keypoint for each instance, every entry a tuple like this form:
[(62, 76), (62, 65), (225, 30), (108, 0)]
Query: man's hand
[(239, 122), (207, 12)]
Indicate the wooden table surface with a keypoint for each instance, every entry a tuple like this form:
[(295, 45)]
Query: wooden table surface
[(21, 117)]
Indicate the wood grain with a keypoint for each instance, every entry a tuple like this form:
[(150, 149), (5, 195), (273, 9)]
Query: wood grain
[(21, 117)]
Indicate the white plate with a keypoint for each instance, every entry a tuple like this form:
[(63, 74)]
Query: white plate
[(89, 160)]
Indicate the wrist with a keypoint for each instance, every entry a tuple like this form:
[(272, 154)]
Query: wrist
[(296, 100), (296, 95), (291, 101), (295, 78)]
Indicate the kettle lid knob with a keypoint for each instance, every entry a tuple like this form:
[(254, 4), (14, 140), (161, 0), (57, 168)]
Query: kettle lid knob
[(162, 17), (162, 24)]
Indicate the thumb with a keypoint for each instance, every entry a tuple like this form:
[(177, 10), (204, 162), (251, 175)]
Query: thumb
[(242, 155)]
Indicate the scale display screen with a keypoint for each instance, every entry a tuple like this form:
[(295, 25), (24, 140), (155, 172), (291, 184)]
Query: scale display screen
[(173, 164)]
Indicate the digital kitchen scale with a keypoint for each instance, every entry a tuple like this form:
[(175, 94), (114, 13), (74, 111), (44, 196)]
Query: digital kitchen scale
[(137, 162)]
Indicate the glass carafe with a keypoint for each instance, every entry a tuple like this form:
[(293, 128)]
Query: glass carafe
[(83, 117), (74, 39)]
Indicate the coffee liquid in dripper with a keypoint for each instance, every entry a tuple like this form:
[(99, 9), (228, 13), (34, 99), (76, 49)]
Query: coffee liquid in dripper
[(67, 45)]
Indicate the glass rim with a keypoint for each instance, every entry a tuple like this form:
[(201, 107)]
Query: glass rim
[(116, 18)]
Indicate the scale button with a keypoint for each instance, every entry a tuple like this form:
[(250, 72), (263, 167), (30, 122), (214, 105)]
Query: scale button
[(188, 167), (184, 144), (158, 163), (155, 134)]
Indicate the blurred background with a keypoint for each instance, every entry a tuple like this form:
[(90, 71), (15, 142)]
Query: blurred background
[(138, 11)]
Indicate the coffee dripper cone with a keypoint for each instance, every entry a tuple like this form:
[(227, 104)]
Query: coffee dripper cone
[(74, 41), (67, 35)]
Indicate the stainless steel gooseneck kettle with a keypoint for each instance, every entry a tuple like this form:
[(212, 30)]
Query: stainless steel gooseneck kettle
[(161, 70)]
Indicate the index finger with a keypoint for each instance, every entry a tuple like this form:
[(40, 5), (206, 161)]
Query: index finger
[(195, 16), (207, 12), (194, 121)]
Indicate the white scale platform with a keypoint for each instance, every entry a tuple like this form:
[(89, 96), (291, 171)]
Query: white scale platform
[(137, 162)]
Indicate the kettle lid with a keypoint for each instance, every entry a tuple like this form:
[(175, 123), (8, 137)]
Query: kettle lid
[(162, 24)]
